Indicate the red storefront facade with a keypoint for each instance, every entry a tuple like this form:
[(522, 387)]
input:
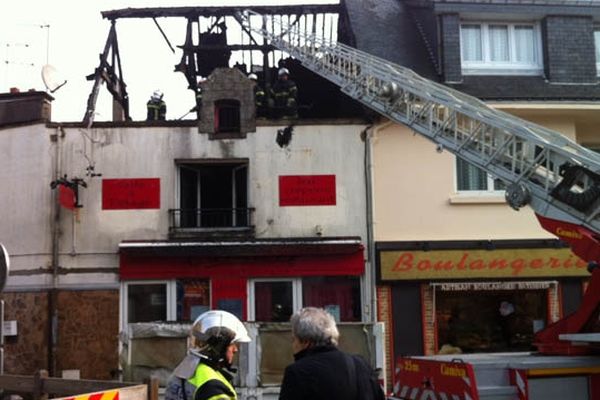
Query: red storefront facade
[(260, 280)]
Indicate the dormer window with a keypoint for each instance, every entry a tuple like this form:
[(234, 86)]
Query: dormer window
[(500, 48), (227, 116)]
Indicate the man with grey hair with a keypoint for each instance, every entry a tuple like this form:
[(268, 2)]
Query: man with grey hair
[(321, 371)]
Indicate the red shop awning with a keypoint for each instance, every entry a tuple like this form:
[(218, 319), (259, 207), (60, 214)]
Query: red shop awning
[(259, 258)]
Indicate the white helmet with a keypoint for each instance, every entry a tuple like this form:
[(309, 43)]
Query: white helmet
[(157, 95), (215, 325), (283, 71), (253, 77)]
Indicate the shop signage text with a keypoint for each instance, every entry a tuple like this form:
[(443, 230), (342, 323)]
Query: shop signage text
[(131, 194), (461, 286), (504, 263), (307, 190)]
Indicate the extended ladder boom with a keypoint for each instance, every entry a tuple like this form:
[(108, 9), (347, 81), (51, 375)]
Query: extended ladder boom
[(557, 177)]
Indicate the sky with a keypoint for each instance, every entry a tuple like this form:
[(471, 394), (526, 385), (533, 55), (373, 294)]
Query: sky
[(71, 34)]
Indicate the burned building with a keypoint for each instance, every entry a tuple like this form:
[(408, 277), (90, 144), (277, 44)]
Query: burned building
[(216, 38)]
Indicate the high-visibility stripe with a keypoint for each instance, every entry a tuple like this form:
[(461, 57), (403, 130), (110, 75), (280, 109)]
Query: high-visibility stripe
[(107, 395), (520, 381)]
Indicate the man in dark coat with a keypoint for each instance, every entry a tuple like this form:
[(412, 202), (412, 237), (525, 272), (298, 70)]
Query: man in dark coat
[(321, 371)]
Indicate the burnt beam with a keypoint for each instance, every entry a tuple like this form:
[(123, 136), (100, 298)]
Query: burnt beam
[(195, 12)]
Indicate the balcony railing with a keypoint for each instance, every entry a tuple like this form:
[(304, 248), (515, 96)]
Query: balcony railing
[(210, 218)]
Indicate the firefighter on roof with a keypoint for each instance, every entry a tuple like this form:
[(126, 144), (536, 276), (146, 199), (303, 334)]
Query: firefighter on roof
[(157, 108), (259, 96), (284, 93)]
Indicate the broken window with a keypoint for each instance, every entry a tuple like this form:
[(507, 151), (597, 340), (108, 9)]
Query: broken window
[(227, 116), (213, 195), (146, 302), (275, 300), (181, 300)]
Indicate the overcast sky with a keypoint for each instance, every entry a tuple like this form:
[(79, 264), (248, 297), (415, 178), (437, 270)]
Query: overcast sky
[(70, 35)]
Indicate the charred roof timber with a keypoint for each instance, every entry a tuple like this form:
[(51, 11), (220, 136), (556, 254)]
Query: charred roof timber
[(207, 45)]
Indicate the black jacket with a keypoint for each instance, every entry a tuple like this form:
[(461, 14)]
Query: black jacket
[(326, 373)]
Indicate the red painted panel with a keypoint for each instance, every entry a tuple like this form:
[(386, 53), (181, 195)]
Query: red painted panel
[(230, 292), (307, 190), (66, 197), (149, 267), (130, 194)]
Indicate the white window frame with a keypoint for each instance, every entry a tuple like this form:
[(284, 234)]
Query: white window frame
[(597, 49), (487, 67), (171, 299), (489, 192), (296, 294)]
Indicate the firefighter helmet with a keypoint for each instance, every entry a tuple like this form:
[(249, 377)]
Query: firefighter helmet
[(220, 325), (157, 95), (212, 333), (253, 77), (283, 71)]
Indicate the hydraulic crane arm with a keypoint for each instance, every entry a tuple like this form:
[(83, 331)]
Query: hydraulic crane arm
[(541, 168)]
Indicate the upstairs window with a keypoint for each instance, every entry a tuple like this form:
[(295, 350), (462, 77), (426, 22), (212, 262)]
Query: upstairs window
[(212, 195), (500, 49), (474, 180)]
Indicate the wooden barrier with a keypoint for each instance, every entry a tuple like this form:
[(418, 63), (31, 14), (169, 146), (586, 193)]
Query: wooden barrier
[(43, 387)]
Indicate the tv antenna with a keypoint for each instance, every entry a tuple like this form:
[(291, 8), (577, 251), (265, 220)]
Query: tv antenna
[(53, 80)]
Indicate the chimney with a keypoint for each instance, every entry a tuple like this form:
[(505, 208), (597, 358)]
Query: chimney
[(22, 107)]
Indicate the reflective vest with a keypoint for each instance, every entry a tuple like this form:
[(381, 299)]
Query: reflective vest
[(212, 384), (204, 374), (157, 110)]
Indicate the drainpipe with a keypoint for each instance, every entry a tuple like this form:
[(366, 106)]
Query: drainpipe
[(369, 134), (55, 227)]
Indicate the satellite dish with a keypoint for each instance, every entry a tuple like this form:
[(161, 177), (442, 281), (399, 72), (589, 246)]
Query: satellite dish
[(52, 78), (4, 266)]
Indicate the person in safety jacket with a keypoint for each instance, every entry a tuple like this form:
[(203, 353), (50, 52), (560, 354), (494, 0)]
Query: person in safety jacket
[(206, 372), (320, 370), (198, 107), (284, 94), (259, 96), (157, 108)]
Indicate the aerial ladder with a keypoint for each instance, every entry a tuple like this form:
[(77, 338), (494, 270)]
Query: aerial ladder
[(556, 177)]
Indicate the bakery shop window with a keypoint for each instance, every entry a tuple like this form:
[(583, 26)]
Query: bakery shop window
[(489, 321)]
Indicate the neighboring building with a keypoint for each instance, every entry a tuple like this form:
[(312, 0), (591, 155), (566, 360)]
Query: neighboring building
[(456, 265)]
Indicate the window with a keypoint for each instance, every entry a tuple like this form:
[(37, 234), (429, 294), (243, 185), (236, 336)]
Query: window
[(471, 178), (500, 48), (498, 321), (147, 302), (276, 300), (177, 300), (212, 196), (597, 45), (227, 116)]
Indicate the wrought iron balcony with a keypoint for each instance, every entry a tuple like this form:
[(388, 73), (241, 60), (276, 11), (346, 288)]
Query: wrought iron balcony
[(210, 219)]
